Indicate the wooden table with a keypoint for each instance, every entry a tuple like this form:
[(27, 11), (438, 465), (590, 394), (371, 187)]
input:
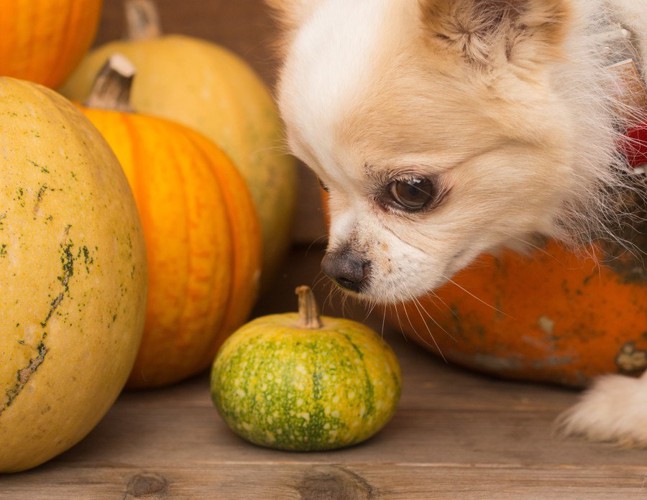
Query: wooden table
[(456, 434)]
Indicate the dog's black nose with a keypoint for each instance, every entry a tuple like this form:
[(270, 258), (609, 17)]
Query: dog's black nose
[(346, 268)]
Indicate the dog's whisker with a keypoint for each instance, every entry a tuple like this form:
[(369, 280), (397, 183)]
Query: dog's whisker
[(328, 299), (320, 280), (417, 305), (370, 308), (476, 297), (398, 319), (431, 318), (383, 320), (423, 310), (315, 243), (529, 244)]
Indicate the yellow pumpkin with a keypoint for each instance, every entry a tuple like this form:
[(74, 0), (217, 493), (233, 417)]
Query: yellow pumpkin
[(208, 88), (73, 274), (201, 229), (44, 40)]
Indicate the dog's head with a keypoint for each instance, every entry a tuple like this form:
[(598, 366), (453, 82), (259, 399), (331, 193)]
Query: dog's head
[(434, 127)]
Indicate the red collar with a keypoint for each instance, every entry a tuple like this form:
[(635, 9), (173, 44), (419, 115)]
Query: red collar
[(632, 93), (630, 90), (634, 147)]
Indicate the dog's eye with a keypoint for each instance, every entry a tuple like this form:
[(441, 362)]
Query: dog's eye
[(412, 194)]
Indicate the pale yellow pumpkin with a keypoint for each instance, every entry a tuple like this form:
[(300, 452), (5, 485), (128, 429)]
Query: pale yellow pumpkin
[(73, 275)]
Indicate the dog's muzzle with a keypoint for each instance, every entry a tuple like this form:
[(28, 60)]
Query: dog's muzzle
[(346, 268)]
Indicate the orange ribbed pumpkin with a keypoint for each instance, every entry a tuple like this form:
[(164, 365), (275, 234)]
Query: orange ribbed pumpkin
[(216, 92), (44, 40), (202, 236)]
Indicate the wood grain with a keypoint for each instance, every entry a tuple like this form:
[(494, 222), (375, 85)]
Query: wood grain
[(456, 434), (264, 481)]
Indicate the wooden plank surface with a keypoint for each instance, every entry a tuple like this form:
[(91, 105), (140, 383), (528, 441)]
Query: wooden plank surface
[(456, 434)]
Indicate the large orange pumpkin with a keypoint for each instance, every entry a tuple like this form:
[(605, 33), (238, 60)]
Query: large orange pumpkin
[(202, 236), (44, 40), (552, 316)]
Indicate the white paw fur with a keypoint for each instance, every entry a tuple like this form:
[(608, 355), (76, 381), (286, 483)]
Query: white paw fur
[(613, 410)]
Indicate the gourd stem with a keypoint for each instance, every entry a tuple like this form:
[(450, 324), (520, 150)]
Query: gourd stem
[(111, 88), (142, 20), (308, 310)]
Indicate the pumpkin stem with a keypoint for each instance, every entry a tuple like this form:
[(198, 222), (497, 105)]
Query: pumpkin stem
[(142, 20), (111, 88), (308, 310)]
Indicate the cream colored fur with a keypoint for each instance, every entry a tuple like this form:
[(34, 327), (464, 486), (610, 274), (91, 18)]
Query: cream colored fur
[(507, 106)]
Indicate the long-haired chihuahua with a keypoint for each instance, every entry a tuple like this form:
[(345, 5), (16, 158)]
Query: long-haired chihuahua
[(447, 128)]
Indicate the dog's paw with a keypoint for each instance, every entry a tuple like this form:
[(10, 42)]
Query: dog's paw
[(614, 410)]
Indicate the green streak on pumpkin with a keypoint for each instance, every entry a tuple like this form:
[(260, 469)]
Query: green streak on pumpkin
[(23, 375), (370, 390), (318, 419), (42, 168), (67, 261)]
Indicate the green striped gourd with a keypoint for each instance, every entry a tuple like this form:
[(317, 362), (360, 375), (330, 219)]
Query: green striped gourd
[(303, 382)]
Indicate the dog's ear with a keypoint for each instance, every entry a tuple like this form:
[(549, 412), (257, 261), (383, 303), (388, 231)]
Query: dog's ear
[(291, 13), (489, 32)]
